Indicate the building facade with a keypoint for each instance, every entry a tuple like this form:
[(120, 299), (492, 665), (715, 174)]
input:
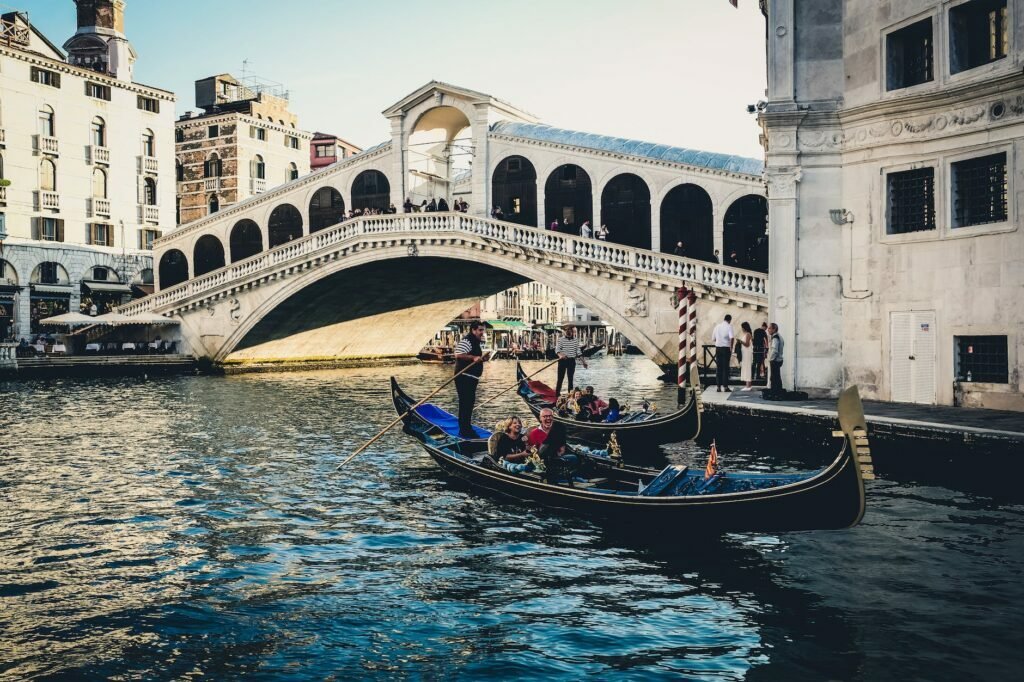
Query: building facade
[(326, 149), (86, 159), (894, 138), (245, 141)]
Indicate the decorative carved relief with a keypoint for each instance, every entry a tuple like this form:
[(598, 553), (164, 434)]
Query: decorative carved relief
[(413, 250), (637, 305), (935, 123), (235, 310), (782, 184)]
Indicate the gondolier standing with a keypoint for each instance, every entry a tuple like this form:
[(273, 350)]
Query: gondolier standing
[(567, 348), (468, 352)]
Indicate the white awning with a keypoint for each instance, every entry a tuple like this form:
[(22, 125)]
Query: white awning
[(114, 287), (52, 288)]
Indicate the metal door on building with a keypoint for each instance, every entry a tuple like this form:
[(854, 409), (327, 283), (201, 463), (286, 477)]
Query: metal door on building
[(912, 355)]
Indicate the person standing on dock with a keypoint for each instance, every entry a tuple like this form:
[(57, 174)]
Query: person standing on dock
[(469, 354), (567, 348), (723, 338), (776, 346)]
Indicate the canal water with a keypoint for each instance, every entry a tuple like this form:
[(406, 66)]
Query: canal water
[(179, 528)]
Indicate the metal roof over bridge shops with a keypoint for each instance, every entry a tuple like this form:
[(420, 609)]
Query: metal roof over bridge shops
[(638, 148)]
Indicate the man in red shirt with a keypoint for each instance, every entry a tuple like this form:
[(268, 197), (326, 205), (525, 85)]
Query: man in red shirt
[(538, 435)]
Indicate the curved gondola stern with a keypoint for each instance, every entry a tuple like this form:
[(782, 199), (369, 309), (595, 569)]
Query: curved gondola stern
[(855, 429), (697, 397)]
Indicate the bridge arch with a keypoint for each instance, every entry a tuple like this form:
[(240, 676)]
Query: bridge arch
[(568, 196), (207, 255), (285, 224), (745, 231), (326, 208), (371, 189), (246, 240), (688, 215), (626, 210), (514, 189), (173, 269)]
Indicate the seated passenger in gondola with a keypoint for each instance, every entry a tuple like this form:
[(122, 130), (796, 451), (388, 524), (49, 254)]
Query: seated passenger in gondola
[(589, 405), (558, 461), (510, 446), (613, 413)]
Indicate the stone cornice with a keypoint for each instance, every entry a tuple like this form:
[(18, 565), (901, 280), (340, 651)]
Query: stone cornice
[(210, 119), (88, 74), (274, 194), (625, 157)]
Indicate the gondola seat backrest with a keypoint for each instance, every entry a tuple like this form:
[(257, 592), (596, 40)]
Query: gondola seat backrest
[(492, 444), (664, 480)]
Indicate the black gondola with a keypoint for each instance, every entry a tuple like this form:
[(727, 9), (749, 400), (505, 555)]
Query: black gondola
[(635, 431), (828, 498)]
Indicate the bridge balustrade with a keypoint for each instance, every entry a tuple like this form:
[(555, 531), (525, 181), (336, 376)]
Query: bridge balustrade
[(593, 250)]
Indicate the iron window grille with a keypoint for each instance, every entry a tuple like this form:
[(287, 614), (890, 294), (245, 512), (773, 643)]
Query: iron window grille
[(911, 201), (910, 58), (982, 358), (979, 190), (978, 34)]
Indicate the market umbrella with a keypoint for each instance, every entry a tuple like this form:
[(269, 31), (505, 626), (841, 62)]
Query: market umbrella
[(151, 318), (71, 320), (114, 319)]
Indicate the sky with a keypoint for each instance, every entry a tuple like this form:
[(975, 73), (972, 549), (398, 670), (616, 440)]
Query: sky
[(677, 72)]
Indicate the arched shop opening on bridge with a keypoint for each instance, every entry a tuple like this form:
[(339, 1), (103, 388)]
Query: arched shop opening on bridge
[(514, 190), (173, 269), (51, 294), (746, 233), (285, 225), (568, 198), (687, 215), (246, 240), (326, 208), (626, 210), (439, 148), (208, 255), (371, 189)]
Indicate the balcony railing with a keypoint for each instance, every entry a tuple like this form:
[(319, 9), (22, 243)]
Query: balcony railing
[(47, 145), (150, 214), (259, 185), (149, 164), (49, 201), (100, 207), (211, 184), (99, 155)]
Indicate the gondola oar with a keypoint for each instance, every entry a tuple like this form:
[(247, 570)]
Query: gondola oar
[(517, 383), (402, 416)]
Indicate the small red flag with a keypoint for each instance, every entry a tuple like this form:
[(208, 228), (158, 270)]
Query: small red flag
[(712, 467)]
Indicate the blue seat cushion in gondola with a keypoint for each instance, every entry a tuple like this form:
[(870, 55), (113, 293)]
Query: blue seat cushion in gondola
[(662, 481), (446, 421)]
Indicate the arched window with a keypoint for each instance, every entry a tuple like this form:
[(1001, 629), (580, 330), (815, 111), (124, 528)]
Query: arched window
[(148, 143), (257, 169), (149, 191), (99, 132), (626, 210), (568, 198), (285, 225), (246, 240), (214, 203), (514, 190), (50, 273), (326, 208), (173, 268), (291, 173), (47, 175), (371, 189), (687, 216), (208, 255), (745, 233), (47, 122), (212, 167), (99, 184)]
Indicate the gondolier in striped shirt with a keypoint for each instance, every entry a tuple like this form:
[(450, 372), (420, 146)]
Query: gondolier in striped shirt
[(567, 348), (468, 353)]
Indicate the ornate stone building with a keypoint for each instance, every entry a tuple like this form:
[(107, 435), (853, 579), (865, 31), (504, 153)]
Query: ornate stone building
[(894, 134), (245, 141), (86, 157)]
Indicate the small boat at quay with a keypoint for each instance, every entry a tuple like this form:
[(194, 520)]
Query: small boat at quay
[(705, 500), (635, 430)]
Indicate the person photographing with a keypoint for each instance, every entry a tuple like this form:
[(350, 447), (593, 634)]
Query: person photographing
[(567, 348), (469, 356)]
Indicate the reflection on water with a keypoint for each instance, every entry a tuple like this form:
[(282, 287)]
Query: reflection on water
[(191, 527)]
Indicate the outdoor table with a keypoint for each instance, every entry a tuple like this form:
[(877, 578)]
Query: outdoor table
[(128, 346), (40, 348), (92, 347), (154, 344), (59, 348)]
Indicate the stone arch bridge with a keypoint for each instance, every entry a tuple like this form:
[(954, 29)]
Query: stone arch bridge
[(380, 286)]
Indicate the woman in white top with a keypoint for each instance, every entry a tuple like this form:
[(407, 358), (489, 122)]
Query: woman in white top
[(746, 342)]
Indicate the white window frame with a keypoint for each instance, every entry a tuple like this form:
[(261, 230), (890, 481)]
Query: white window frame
[(1008, 64), (1008, 225), (940, 214), (938, 57)]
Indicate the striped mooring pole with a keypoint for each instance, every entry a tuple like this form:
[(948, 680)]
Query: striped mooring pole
[(687, 303)]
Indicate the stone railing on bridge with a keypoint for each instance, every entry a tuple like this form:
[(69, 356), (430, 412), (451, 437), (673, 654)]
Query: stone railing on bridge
[(636, 262)]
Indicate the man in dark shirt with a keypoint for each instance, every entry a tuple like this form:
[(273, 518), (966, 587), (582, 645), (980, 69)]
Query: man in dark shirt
[(760, 347), (468, 354)]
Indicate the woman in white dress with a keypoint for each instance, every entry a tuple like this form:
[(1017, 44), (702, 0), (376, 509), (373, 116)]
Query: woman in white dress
[(745, 343)]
